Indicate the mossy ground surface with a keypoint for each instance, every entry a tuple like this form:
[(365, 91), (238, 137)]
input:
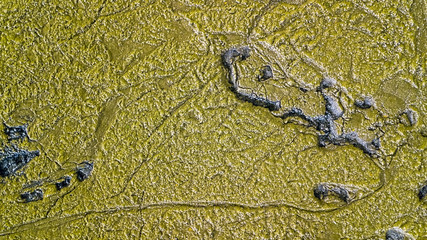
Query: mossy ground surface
[(138, 88)]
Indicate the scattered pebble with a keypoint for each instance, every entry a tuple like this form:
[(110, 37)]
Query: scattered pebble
[(412, 116)]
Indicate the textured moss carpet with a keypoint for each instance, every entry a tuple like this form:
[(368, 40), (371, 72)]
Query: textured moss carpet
[(138, 89)]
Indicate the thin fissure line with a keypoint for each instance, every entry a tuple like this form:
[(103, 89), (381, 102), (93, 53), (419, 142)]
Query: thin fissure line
[(40, 223)]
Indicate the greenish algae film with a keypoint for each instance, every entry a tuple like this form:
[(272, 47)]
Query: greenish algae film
[(138, 88)]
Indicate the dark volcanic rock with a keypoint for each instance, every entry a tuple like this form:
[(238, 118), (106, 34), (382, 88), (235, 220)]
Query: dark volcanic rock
[(16, 132), (321, 191), (228, 58), (332, 107), (12, 161), (327, 82), (259, 101), (423, 192), (364, 103), (342, 193), (266, 73), (395, 234), (324, 123), (65, 183), (84, 171), (36, 195)]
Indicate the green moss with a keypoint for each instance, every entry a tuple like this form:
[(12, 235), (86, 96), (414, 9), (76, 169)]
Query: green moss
[(139, 89)]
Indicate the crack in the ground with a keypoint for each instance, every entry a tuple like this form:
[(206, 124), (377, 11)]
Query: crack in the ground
[(88, 26)]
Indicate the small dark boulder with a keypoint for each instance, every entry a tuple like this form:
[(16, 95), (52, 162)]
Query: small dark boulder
[(84, 171), (36, 195), (65, 183), (395, 234), (364, 103), (266, 73), (321, 191)]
